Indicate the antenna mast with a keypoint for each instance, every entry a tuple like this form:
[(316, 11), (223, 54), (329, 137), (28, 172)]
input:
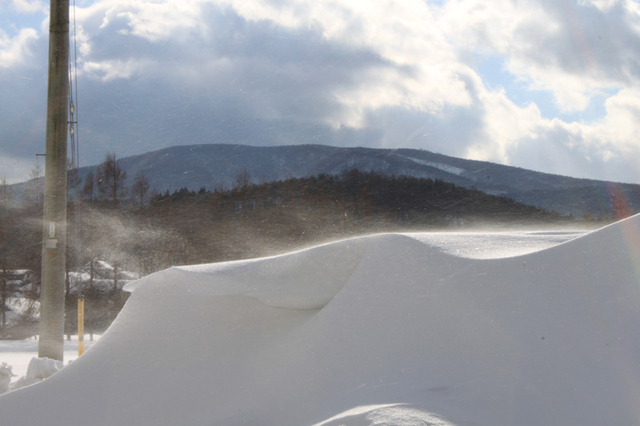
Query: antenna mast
[(51, 340)]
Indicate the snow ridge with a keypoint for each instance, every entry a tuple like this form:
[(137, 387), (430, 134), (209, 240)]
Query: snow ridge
[(306, 279), (384, 329)]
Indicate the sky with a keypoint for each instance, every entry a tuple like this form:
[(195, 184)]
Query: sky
[(547, 85)]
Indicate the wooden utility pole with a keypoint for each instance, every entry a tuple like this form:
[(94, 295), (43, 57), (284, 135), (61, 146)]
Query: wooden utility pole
[(51, 340)]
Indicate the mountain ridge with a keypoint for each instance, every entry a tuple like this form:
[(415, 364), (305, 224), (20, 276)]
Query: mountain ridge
[(217, 165)]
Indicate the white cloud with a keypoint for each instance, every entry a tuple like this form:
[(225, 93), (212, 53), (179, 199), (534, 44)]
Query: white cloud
[(109, 70), (421, 70), (424, 73), (29, 6), (503, 125), (620, 128), (602, 5), (151, 20), (574, 50), (16, 51), (603, 150)]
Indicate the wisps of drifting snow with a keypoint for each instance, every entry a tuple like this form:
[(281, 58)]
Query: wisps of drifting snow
[(306, 279)]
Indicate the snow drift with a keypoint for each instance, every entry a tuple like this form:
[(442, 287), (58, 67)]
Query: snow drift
[(379, 330)]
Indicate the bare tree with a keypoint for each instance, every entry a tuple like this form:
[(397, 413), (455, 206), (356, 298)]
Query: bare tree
[(89, 188), (35, 184), (220, 186), (140, 188), (111, 180), (243, 179), (5, 190)]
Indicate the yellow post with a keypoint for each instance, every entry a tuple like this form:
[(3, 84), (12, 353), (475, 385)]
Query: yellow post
[(80, 326)]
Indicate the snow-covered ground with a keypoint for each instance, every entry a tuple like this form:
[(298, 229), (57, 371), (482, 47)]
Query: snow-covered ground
[(382, 330)]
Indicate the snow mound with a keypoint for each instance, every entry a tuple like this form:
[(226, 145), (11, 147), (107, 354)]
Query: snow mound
[(38, 370), (42, 368), (385, 329)]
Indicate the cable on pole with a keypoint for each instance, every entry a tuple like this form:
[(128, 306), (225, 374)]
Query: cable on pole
[(74, 165), (73, 100)]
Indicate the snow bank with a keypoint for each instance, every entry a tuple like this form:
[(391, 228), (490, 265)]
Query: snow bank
[(6, 374), (385, 329)]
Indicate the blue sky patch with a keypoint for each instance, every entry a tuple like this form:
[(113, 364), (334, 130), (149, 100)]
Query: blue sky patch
[(12, 22), (495, 75)]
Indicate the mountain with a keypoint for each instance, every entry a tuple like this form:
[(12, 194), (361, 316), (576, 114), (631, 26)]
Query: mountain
[(217, 165)]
